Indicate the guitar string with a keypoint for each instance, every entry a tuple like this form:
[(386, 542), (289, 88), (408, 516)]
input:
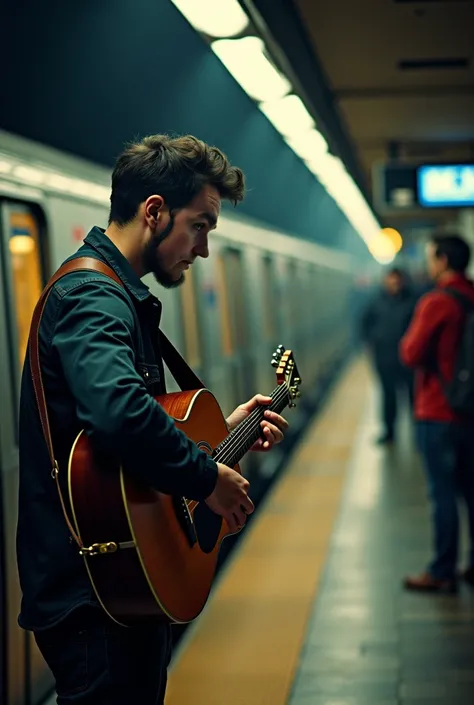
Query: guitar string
[(249, 424), (280, 393), (252, 422)]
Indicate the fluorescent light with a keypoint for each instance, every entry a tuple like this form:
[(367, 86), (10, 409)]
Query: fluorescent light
[(288, 115), (246, 61), (218, 18), (382, 248), (310, 146)]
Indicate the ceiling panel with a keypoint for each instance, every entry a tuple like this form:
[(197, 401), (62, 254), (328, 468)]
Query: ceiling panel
[(444, 118), (428, 112), (360, 44)]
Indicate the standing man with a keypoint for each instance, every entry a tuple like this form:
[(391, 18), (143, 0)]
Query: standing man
[(445, 438), (383, 325), (101, 368)]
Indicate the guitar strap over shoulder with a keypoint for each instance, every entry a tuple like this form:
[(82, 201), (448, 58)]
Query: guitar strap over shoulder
[(182, 373)]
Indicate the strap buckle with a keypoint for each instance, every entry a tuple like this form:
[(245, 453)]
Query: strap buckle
[(97, 549)]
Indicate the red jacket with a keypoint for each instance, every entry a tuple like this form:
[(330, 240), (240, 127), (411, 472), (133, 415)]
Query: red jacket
[(434, 336)]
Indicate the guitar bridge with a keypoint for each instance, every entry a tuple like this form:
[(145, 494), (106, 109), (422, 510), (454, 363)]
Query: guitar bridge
[(185, 519)]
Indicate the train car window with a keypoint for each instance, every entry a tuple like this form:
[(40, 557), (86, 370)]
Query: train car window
[(235, 278), (25, 260), (190, 319), (227, 338), (270, 302), (293, 304)]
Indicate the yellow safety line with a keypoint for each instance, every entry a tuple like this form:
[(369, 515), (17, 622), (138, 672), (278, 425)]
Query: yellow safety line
[(244, 649)]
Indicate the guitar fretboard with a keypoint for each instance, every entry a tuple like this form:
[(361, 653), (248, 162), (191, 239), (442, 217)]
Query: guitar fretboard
[(232, 449)]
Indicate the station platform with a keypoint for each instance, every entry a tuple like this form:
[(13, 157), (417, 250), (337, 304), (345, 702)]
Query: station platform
[(310, 609)]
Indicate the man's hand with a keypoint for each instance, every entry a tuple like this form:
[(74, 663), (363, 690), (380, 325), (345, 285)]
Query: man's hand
[(273, 426), (230, 499)]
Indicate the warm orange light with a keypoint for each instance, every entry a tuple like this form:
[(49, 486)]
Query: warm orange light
[(22, 245), (394, 237)]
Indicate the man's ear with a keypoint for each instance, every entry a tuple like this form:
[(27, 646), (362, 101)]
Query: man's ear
[(154, 205)]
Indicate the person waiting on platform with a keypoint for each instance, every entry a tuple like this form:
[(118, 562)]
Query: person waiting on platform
[(383, 325), (438, 343)]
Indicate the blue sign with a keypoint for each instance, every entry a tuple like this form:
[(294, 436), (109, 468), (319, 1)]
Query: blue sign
[(446, 185)]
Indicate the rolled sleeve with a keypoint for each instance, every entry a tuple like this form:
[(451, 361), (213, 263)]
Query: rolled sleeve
[(94, 339)]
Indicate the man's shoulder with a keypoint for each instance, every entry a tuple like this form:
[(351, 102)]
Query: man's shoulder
[(437, 302), (78, 278)]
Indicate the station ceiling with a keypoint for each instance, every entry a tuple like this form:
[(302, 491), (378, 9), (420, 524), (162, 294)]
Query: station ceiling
[(400, 75)]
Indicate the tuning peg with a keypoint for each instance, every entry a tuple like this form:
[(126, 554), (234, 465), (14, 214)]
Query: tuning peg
[(274, 363), (297, 380), (276, 356), (281, 349)]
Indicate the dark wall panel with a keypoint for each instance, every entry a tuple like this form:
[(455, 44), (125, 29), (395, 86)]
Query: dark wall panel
[(86, 76)]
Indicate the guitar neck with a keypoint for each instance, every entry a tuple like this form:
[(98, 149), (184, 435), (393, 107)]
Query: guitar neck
[(236, 444)]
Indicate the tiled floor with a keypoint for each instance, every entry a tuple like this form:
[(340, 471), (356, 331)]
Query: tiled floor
[(368, 642)]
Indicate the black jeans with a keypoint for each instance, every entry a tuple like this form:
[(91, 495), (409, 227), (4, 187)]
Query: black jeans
[(394, 378), (97, 662)]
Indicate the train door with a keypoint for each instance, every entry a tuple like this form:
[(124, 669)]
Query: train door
[(26, 679)]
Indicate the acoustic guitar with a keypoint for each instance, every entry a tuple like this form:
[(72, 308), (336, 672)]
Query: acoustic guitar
[(150, 554)]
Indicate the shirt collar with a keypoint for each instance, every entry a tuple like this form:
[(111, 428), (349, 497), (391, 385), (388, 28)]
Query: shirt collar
[(115, 259), (455, 278)]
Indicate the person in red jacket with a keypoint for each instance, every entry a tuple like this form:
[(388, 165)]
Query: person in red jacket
[(446, 440)]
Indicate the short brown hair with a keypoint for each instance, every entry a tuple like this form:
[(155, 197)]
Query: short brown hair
[(176, 168)]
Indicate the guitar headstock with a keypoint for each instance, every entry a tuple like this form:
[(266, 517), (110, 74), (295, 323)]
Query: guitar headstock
[(287, 372)]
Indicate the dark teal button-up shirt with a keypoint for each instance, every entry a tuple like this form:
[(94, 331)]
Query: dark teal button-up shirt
[(101, 366)]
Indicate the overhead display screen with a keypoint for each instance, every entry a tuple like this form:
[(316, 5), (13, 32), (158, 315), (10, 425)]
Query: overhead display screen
[(445, 185)]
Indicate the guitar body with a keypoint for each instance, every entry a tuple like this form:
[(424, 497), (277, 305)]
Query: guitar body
[(163, 552)]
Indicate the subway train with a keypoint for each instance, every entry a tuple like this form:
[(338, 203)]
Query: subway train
[(259, 288)]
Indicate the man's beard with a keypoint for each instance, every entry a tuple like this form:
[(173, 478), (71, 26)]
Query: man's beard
[(152, 263)]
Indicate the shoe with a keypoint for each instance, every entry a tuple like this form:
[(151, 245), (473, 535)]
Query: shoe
[(426, 583), (468, 576)]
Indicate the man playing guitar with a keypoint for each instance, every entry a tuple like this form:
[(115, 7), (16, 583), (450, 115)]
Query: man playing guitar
[(101, 367)]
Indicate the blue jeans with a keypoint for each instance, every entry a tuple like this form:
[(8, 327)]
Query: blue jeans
[(97, 662), (448, 454)]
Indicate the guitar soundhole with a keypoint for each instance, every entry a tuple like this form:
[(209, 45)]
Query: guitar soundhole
[(207, 525)]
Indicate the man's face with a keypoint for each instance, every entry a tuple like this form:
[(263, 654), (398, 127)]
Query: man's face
[(187, 240), (393, 284), (436, 265)]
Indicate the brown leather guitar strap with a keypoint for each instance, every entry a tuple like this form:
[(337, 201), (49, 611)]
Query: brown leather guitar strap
[(183, 374)]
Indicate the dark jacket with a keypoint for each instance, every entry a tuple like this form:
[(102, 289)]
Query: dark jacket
[(101, 368), (431, 345), (384, 324)]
